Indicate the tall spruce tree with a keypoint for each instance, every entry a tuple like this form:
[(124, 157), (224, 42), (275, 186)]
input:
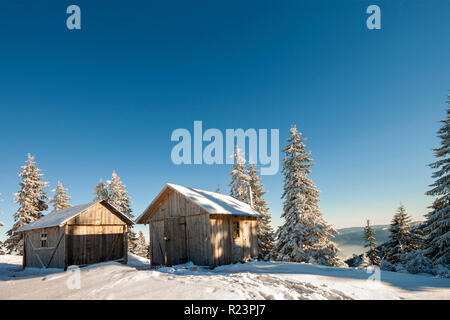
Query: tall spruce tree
[(264, 230), (32, 201), (60, 199), (400, 236), (305, 236), (100, 191), (438, 220), (239, 185), (141, 248), (118, 195), (369, 237), (118, 198)]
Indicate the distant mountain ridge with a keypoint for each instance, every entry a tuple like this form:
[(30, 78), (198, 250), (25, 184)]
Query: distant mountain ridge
[(351, 240)]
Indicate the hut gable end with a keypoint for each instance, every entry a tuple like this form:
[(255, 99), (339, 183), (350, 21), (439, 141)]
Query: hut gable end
[(98, 214)]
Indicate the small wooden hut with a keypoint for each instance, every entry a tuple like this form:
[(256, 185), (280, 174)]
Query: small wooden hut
[(79, 235), (207, 228)]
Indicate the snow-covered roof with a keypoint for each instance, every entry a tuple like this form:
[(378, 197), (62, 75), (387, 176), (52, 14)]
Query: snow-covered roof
[(211, 202), (58, 218)]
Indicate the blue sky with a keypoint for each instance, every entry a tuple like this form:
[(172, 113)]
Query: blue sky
[(107, 97)]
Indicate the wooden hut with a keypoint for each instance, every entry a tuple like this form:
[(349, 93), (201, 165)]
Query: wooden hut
[(79, 235), (207, 228)]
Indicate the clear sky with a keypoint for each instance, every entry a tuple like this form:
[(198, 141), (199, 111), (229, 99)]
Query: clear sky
[(107, 97)]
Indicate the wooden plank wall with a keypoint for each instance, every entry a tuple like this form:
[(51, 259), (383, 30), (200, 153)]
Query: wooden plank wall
[(34, 252), (198, 234), (92, 244), (246, 246), (209, 238), (96, 235), (96, 215), (198, 241), (254, 239), (175, 240), (157, 242), (222, 239)]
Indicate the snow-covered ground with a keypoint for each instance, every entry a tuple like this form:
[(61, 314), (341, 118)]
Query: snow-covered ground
[(253, 280)]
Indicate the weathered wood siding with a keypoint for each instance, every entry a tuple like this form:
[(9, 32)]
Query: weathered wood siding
[(198, 234), (249, 239), (245, 246), (51, 256), (175, 218), (182, 231), (96, 235), (157, 242), (98, 214), (175, 236), (221, 239), (93, 244)]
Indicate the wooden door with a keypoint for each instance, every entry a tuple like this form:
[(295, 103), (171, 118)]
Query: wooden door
[(157, 254), (93, 244), (175, 241)]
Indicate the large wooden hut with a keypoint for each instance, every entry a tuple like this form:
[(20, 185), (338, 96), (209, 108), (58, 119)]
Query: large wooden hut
[(79, 235), (207, 228)]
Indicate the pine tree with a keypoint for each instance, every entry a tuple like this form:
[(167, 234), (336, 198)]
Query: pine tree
[(118, 195), (141, 248), (118, 198), (31, 199), (60, 199), (239, 179), (218, 189), (400, 237), (305, 236), (438, 220), (132, 240), (264, 230), (369, 237), (100, 191), (417, 241)]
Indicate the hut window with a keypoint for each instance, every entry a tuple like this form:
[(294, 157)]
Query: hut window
[(236, 230), (44, 240)]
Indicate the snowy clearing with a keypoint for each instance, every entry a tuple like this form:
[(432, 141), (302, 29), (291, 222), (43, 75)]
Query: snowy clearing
[(253, 280)]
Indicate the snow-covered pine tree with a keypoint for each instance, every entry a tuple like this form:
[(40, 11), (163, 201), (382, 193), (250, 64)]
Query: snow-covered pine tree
[(417, 241), (438, 220), (118, 195), (400, 237), (32, 201), (305, 236), (218, 189), (239, 185), (132, 241), (60, 199), (100, 191), (264, 230), (369, 237), (141, 248), (118, 198)]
